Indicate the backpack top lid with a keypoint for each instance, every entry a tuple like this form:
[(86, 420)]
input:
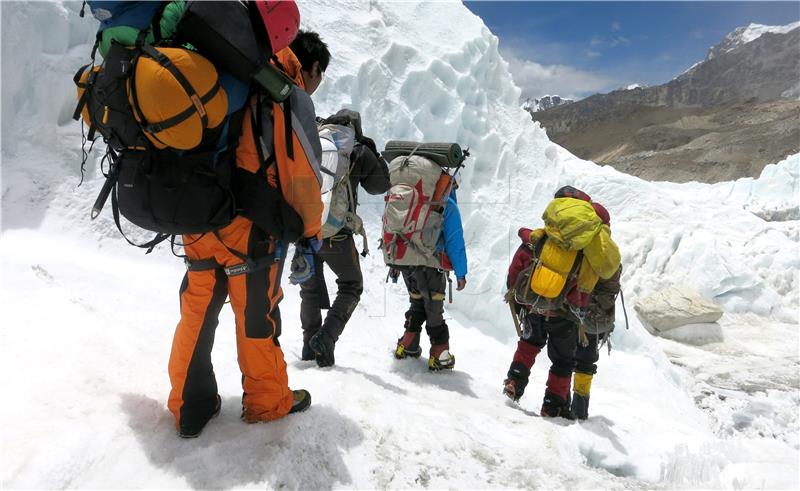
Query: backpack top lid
[(572, 223)]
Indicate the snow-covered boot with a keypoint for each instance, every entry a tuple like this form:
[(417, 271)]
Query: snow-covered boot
[(323, 345), (408, 346), (301, 400), (440, 358), (520, 370), (582, 384), (556, 397), (192, 429), (307, 353)]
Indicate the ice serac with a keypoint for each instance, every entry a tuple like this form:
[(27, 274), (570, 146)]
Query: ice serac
[(432, 71), (414, 76), (675, 307)]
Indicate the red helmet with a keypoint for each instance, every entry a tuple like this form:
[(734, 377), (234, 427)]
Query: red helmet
[(282, 20)]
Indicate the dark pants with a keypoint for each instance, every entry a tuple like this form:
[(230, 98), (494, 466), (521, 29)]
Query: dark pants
[(586, 356), (426, 291), (340, 254), (559, 334)]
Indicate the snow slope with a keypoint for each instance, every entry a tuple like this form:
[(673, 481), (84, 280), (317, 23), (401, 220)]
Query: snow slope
[(87, 321)]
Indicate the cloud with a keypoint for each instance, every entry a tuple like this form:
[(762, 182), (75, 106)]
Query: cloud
[(618, 40), (609, 42), (593, 54), (537, 80), (616, 25)]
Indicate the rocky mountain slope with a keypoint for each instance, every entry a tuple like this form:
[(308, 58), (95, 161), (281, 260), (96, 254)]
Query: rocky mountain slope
[(726, 117)]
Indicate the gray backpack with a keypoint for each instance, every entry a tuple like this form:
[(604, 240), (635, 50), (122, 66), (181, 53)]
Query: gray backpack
[(337, 193), (412, 220)]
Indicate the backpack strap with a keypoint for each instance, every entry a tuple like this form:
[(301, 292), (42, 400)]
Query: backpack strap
[(155, 25), (287, 126)]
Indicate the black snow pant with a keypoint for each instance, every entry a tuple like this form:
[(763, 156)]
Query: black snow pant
[(561, 337), (586, 356), (426, 291), (340, 254)]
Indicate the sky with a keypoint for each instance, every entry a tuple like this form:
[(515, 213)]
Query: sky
[(576, 49)]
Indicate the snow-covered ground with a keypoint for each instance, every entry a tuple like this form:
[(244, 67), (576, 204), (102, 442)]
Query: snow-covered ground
[(87, 321)]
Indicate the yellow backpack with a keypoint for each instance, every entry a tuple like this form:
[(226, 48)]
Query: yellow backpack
[(555, 267)]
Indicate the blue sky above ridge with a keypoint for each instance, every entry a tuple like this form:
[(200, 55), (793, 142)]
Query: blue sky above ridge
[(576, 49)]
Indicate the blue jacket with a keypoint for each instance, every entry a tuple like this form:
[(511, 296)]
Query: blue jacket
[(452, 239)]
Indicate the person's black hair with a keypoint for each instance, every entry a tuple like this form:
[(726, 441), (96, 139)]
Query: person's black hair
[(308, 47)]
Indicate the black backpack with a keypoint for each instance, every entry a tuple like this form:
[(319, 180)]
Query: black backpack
[(165, 191)]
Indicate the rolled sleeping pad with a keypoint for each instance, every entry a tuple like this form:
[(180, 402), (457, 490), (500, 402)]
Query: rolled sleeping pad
[(444, 154)]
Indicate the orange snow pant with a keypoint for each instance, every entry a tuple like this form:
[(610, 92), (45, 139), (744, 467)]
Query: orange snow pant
[(254, 296)]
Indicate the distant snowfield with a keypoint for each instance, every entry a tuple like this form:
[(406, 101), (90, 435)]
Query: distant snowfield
[(87, 320)]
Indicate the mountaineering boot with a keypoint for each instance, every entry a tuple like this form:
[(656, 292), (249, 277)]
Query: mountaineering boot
[(516, 381), (582, 385), (580, 406), (193, 430), (520, 370), (554, 406), (307, 353), (440, 358), (323, 345), (510, 389), (408, 346), (301, 400), (556, 396)]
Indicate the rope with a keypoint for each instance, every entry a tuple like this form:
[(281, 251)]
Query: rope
[(624, 311)]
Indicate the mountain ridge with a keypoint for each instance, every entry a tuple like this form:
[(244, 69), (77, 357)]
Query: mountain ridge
[(725, 118)]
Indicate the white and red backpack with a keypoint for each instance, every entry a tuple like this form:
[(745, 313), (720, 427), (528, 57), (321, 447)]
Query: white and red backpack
[(413, 217)]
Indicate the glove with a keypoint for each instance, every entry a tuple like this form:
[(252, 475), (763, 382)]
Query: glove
[(302, 267)]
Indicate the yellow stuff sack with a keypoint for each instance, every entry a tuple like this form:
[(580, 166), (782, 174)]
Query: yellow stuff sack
[(572, 223), (176, 95), (602, 254), (552, 271)]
